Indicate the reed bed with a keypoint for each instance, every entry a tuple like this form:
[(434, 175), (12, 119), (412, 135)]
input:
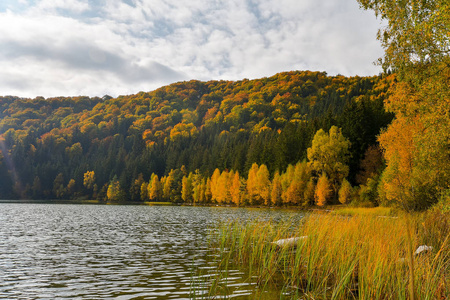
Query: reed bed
[(366, 211), (359, 257)]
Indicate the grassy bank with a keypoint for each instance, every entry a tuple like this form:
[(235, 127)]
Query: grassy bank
[(341, 257)]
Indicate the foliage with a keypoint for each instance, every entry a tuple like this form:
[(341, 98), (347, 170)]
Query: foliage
[(201, 125), (328, 156), (323, 190), (417, 47), (345, 192)]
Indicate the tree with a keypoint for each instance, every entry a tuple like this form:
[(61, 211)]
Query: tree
[(135, 189), (208, 193), (275, 194), (58, 186), (187, 189), (328, 155), (89, 179), (417, 48), (417, 34), (345, 192), (252, 185), (371, 165), (36, 188), (263, 184), (309, 193), (223, 188), (155, 193), (144, 191), (168, 186), (71, 187), (236, 195), (115, 192), (214, 185), (323, 190), (199, 190)]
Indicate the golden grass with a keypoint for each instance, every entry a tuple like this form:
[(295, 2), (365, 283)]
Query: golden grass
[(360, 257), (366, 211)]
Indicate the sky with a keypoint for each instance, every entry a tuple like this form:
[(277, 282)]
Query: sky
[(55, 48)]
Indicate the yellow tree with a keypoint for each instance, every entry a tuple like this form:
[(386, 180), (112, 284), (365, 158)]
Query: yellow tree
[(345, 192), (286, 180), (115, 192), (235, 191), (263, 184), (417, 46), (328, 155), (323, 190), (276, 191), (222, 188), (399, 183), (309, 193), (89, 179), (187, 188), (155, 189), (214, 185), (252, 185), (199, 190)]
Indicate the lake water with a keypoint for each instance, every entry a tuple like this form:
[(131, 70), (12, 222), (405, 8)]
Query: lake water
[(56, 251)]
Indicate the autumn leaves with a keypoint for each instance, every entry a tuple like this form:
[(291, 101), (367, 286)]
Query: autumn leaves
[(320, 180)]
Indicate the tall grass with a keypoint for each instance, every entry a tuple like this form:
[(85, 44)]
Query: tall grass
[(359, 257)]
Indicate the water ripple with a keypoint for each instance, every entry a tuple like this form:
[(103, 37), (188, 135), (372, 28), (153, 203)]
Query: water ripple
[(50, 251)]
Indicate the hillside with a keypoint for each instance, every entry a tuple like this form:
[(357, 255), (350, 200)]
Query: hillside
[(48, 145)]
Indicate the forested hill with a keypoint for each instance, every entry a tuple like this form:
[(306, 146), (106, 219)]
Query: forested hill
[(48, 145)]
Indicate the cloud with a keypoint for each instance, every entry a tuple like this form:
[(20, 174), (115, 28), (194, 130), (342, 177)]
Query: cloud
[(76, 6), (72, 47)]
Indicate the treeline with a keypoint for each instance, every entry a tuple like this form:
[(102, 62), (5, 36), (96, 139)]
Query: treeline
[(83, 147), (318, 181)]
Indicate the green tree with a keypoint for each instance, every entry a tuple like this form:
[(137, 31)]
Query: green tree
[(135, 189), (58, 186), (144, 191)]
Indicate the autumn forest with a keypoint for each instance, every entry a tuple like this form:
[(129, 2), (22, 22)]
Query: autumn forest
[(178, 142)]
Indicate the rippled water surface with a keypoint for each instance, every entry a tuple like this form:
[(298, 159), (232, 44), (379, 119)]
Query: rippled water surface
[(51, 251)]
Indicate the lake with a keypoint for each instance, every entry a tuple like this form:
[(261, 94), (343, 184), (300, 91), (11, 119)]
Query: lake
[(56, 251)]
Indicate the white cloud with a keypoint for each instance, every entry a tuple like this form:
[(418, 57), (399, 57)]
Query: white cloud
[(121, 47)]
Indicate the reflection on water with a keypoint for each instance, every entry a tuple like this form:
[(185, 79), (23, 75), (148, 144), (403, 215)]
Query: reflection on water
[(50, 251)]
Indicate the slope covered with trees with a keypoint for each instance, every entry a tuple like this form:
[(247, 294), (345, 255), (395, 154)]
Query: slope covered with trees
[(106, 148)]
